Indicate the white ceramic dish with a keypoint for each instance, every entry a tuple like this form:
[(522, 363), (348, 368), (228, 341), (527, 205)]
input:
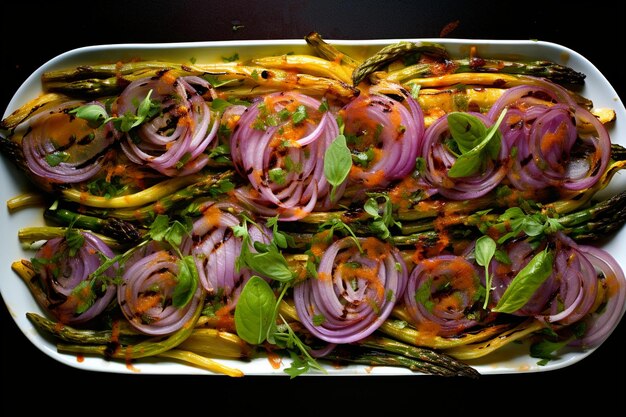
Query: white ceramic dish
[(19, 301)]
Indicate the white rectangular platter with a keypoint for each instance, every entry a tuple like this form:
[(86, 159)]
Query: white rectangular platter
[(19, 301)]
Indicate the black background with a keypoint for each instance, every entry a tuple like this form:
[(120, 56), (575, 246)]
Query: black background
[(31, 34)]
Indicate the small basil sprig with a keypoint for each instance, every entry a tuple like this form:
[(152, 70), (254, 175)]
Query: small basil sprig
[(484, 251), (96, 115), (381, 222), (337, 163), (533, 225), (525, 283), (475, 142), (255, 322), (267, 260)]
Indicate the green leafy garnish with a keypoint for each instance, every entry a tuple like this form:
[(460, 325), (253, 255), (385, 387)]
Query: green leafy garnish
[(254, 313), (55, 158), (381, 223), (268, 261), (476, 143), (525, 283), (337, 163), (484, 251), (186, 282), (97, 116), (75, 240)]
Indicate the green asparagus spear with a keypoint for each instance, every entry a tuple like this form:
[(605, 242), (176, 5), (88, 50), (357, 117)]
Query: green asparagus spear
[(36, 233), (427, 355), (372, 357), (547, 69), (122, 231), (210, 186), (145, 348), (328, 51), (393, 52), (82, 336)]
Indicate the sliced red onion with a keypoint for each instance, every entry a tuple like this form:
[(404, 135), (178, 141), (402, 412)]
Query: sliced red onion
[(61, 148), (520, 253), (439, 160), (283, 160), (551, 151), (441, 293), (354, 292), (566, 296), (145, 295), (174, 141), (63, 276), (394, 130), (215, 249), (601, 323)]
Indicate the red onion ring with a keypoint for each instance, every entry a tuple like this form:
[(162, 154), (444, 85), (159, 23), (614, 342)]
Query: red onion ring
[(174, 141), (145, 295), (297, 150), (393, 129), (546, 137), (215, 249), (452, 283), (439, 160), (353, 302), (55, 131), (601, 323), (566, 296), (63, 274)]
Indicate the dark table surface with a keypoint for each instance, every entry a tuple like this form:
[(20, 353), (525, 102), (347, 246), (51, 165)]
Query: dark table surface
[(32, 34)]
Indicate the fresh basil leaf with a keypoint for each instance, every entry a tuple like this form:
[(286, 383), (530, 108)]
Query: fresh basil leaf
[(94, 114), (544, 349), (187, 282), (466, 129), (484, 251), (371, 207), (471, 161), (337, 163), (254, 313), (271, 264), (466, 165), (525, 283), (158, 228)]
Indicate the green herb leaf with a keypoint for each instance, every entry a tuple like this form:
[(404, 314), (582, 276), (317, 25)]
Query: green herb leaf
[(544, 349), (232, 58), (94, 114), (271, 264), (85, 296), (278, 175), (299, 115), (488, 146), (466, 129), (254, 313), (337, 163), (55, 158), (187, 282), (159, 226), (484, 252), (525, 283), (75, 240)]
